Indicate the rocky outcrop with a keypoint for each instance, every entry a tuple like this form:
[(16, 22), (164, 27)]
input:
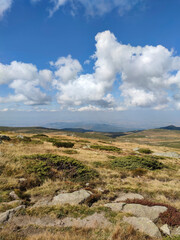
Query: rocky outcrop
[(144, 211), (4, 217), (116, 207), (144, 225), (167, 154), (125, 196), (73, 198)]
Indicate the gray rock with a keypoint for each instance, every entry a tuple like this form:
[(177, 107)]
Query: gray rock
[(144, 225), (165, 229), (116, 207), (20, 136), (125, 196), (4, 217), (13, 195), (176, 231), (136, 149), (94, 221), (144, 211), (73, 198), (167, 154)]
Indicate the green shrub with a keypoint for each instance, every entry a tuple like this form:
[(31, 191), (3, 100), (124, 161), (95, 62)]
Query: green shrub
[(106, 148), (44, 165), (70, 151), (63, 144), (134, 162), (145, 150)]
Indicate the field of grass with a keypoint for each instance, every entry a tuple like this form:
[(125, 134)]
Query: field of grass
[(104, 165)]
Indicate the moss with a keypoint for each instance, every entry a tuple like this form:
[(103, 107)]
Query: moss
[(50, 166), (106, 148), (63, 144), (134, 162)]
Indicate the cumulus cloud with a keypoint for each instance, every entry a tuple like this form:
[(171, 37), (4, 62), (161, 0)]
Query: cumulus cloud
[(4, 6), (26, 81), (146, 75), (123, 77)]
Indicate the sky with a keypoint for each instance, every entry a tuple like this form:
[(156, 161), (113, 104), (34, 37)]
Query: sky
[(108, 61)]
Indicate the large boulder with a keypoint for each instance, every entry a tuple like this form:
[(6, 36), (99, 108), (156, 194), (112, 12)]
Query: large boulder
[(73, 198), (144, 225), (125, 196), (144, 211)]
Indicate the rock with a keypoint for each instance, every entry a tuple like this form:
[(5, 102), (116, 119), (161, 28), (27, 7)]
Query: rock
[(4, 217), (144, 211), (167, 154), (136, 149), (116, 207), (144, 225), (20, 136), (13, 195), (124, 196), (94, 221), (5, 138), (45, 201), (73, 198), (165, 229), (176, 231)]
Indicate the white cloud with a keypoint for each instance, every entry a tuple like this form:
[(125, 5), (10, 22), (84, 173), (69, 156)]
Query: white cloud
[(4, 6), (26, 81), (147, 75)]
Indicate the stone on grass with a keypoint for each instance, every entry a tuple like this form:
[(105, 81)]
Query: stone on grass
[(144, 211), (167, 154), (144, 225), (13, 195), (116, 207), (176, 231), (73, 198), (165, 230), (4, 217), (96, 220), (125, 196)]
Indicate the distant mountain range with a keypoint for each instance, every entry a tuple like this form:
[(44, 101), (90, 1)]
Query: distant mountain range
[(86, 127), (170, 127)]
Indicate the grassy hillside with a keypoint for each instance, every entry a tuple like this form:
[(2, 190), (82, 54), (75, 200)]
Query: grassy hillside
[(97, 162)]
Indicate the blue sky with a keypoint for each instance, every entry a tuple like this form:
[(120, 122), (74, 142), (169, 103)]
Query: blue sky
[(75, 60)]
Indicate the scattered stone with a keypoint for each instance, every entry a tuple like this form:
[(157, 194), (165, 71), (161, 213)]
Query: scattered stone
[(4, 217), (73, 198), (167, 154), (136, 149), (165, 230), (94, 221), (20, 136), (143, 224), (144, 211), (176, 231), (125, 196), (116, 207), (13, 195)]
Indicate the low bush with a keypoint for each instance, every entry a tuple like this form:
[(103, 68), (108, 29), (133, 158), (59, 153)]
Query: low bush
[(134, 162), (106, 148), (50, 166), (138, 172), (63, 144), (70, 152), (145, 150)]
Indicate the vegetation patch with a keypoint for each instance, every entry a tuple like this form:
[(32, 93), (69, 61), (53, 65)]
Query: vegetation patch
[(63, 144), (170, 217), (145, 150), (106, 148), (53, 166), (70, 151), (134, 162)]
